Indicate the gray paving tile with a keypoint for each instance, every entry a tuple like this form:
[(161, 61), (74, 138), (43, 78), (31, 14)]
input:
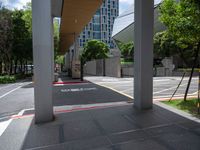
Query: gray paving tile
[(171, 116), (116, 124), (104, 148), (162, 130), (189, 124), (75, 130), (105, 112), (42, 135), (147, 119), (184, 141), (85, 144), (14, 136), (140, 145), (73, 116), (128, 136)]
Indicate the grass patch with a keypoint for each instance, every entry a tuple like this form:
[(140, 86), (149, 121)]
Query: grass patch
[(4, 79), (188, 69), (189, 106), (126, 61), (7, 79)]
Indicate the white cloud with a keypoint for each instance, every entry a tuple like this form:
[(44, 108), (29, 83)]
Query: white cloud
[(124, 5), (14, 4), (126, 1)]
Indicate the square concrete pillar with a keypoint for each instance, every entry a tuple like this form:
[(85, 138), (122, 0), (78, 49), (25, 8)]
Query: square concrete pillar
[(143, 54), (42, 24)]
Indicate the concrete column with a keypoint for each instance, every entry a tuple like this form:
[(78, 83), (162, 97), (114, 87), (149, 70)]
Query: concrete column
[(42, 56), (143, 54), (52, 52)]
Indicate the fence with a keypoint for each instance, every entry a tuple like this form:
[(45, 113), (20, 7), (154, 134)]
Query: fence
[(103, 67)]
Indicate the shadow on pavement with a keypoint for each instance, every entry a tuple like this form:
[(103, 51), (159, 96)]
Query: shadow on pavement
[(121, 127)]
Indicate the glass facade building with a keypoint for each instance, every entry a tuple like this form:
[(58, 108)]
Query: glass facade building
[(123, 28), (101, 25)]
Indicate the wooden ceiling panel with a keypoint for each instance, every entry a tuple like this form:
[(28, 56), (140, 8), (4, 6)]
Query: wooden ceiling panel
[(75, 16)]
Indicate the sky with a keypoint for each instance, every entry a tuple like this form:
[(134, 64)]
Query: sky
[(123, 4), (14, 3)]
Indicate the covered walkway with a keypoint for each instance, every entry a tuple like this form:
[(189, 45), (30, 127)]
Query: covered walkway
[(74, 16), (109, 124)]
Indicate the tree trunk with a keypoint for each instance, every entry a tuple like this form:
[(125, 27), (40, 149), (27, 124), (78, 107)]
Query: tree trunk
[(183, 57), (0, 67), (15, 69), (7, 68), (11, 67), (191, 74), (21, 66), (26, 66)]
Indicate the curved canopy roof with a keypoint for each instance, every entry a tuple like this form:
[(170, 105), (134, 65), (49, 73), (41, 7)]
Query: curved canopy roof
[(75, 16), (123, 29)]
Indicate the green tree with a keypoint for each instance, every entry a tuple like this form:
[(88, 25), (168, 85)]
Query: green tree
[(182, 20), (20, 39), (163, 45), (6, 37), (15, 38), (183, 25), (56, 37), (94, 49), (27, 17), (166, 46), (127, 50)]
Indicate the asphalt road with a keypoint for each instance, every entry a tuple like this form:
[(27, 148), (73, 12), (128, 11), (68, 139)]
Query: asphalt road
[(19, 96), (15, 97), (163, 87)]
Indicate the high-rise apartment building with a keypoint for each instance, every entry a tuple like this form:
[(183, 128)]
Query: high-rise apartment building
[(101, 25)]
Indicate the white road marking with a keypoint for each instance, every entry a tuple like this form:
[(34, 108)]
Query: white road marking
[(195, 92), (9, 92), (168, 89), (162, 80), (120, 82), (12, 84), (70, 84), (107, 84), (126, 90), (177, 95), (70, 107), (13, 90), (78, 89), (4, 125), (4, 87), (115, 90)]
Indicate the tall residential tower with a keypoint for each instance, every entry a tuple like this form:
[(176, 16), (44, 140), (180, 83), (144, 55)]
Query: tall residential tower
[(101, 25)]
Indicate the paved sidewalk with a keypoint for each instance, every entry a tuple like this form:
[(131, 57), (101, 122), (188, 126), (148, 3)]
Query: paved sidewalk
[(110, 124), (113, 128)]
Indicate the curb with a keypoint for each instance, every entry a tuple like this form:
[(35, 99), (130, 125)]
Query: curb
[(177, 111)]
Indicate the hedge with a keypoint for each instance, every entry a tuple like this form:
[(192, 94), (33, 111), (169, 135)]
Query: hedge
[(7, 79)]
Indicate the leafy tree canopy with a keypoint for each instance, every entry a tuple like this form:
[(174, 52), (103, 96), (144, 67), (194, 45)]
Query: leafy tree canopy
[(182, 21), (15, 38), (183, 25), (164, 45), (127, 50), (94, 49)]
